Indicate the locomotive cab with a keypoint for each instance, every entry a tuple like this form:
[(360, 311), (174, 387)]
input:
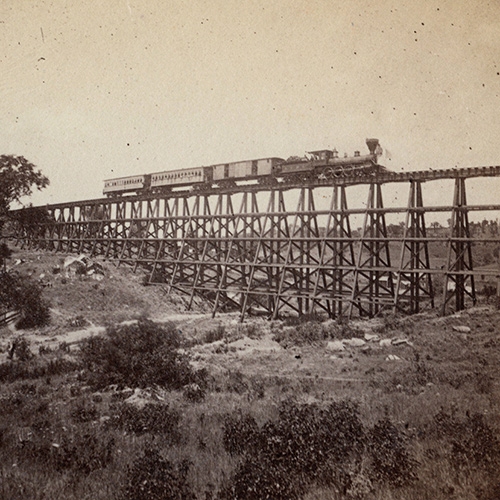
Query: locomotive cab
[(321, 155)]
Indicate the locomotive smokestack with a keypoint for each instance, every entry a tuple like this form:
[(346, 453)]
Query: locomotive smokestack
[(372, 145)]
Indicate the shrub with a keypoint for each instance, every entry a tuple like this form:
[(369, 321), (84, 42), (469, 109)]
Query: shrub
[(307, 445), (194, 393), (240, 434), (36, 368), (78, 450), (84, 411), (20, 349), (84, 452), (391, 461), (153, 477), (256, 479), (153, 417), (473, 442), (23, 294), (215, 334), (302, 334), (137, 355)]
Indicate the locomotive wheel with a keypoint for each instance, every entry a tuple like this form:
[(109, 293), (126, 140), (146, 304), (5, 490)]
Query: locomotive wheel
[(348, 171), (328, 173)]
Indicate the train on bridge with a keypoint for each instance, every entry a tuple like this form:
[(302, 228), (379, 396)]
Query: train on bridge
[(322, 165)]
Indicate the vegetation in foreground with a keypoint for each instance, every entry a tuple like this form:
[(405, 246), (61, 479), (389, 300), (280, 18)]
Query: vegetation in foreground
[(128, 417)]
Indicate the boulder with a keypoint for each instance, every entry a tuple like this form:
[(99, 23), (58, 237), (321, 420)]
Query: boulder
[(461, 329), (354, 342), (335, 345)]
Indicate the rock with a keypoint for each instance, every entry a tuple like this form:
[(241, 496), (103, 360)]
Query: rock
[(355, 342), (371, 337), (392, 357), (461, 329), (385, 343), (335, 345), (397, 342)]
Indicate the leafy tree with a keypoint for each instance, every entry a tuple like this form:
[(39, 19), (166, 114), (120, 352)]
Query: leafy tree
[(24, 295), (17, 178)]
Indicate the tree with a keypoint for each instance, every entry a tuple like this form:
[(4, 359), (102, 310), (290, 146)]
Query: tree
[(17, 178)]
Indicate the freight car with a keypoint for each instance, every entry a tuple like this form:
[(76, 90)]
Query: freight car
[(226, 174), (322, 165)]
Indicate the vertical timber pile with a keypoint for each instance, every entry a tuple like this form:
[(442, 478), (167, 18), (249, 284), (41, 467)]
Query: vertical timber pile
[(373, 281), (412, 282), (459, 263)]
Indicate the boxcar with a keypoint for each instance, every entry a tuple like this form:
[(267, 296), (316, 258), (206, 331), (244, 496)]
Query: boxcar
[(248, 169)]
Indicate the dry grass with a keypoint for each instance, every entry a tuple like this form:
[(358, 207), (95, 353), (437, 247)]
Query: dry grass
[(439, 372)]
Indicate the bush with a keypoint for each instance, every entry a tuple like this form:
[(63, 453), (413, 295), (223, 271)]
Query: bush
[(302, 334), (82, 451), (20, 349), (138, 355), (240, 434), (473, 442), (153, 417), (35, 368), (391, 461), (256, 479), (215, 334), (23, 294), (307, 445), (84, 411), (194, 393), (153, 477)]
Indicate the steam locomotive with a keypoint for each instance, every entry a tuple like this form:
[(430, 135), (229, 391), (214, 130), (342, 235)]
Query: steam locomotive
[(322, 165)]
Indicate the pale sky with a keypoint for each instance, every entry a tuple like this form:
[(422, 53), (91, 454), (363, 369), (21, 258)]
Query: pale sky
[(93, 90)]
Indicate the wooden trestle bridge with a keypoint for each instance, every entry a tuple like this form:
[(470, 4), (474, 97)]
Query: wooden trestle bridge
[(252, 249)]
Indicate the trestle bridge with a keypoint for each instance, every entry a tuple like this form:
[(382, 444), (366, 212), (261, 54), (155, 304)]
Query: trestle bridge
[(282, 248)]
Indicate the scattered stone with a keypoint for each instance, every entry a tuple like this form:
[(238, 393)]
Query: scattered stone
[(335, 345), (461, 329), (397, 342), (354, 342), (392, 357)]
